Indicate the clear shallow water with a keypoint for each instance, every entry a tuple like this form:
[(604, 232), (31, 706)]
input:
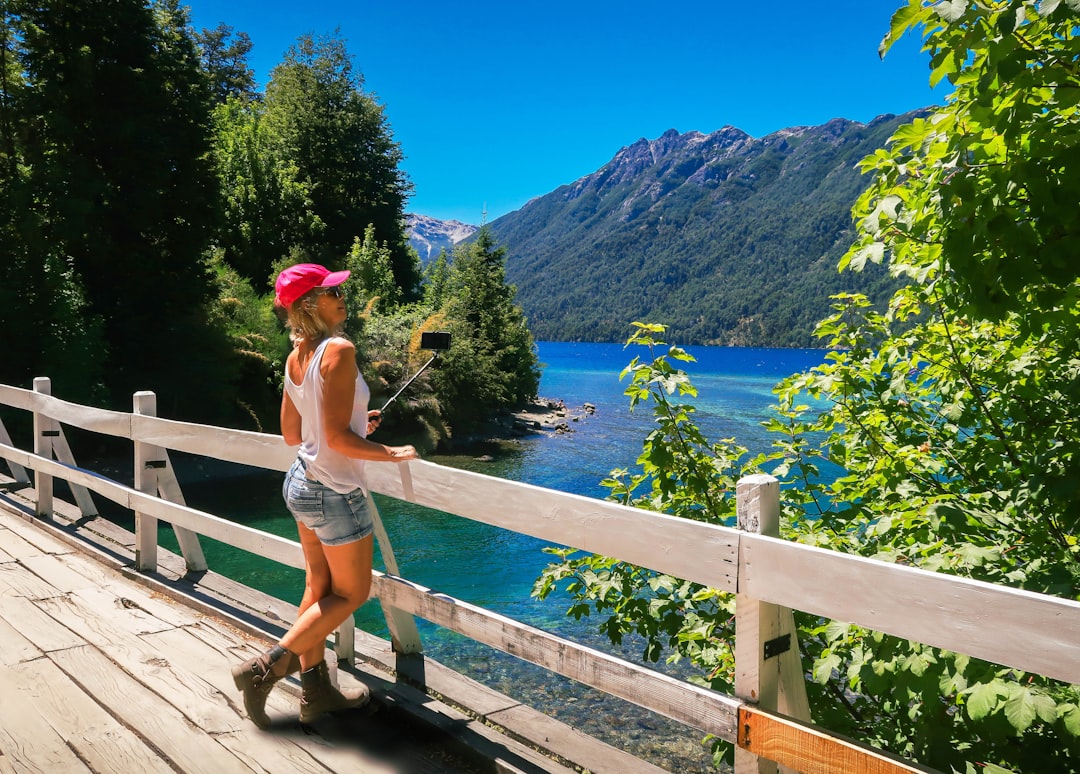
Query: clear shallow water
[(494, 568)]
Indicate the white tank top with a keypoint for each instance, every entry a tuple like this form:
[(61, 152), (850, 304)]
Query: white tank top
[(330, 468)]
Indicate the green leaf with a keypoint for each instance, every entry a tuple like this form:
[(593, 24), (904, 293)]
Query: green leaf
[(836, 630), (824, 667), (1020, 708), (951, 10), (982, 699), (1070, 715)]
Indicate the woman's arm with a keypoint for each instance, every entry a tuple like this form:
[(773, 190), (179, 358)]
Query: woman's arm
[(339, 385)]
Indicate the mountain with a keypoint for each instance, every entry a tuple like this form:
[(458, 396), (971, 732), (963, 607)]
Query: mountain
[(726, 238), (430, 235)]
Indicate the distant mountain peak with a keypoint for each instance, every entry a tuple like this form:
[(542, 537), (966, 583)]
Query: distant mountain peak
[(724, 237), (429, 236)]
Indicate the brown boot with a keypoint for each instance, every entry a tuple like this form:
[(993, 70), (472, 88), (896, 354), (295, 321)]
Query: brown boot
[(256, 676), (320, 695)]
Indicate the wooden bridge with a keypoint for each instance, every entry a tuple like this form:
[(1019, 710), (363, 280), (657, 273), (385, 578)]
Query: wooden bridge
[(113, 650)]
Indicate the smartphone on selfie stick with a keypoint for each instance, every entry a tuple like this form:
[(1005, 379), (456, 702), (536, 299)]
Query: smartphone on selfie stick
[(436, 341)]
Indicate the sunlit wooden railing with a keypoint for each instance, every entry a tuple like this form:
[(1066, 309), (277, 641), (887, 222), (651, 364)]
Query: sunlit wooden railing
[(767, 719)]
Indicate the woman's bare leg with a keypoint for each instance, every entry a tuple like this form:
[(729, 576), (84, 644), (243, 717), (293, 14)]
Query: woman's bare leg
[(316, 586), (349, 568)]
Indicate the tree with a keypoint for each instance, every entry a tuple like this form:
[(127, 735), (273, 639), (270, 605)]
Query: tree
[(224, 59), (949, 415), (113, 199), (492, 366), (436, 280), (372, 276), (268, 212), (344, 152)]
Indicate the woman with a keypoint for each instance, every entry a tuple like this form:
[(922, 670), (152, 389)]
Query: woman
[(324, 410)]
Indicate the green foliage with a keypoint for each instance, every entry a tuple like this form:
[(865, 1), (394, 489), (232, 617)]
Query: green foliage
[(99, 227), (941, 432), (268, 211), (372, 275)]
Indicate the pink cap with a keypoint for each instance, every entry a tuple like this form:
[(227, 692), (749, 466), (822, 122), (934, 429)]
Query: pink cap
[(297, 280)]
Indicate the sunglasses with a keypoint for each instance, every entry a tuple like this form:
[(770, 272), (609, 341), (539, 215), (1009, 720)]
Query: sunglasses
[(336, 291)]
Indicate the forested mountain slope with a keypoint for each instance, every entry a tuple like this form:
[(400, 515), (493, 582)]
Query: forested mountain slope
[(725, 238)]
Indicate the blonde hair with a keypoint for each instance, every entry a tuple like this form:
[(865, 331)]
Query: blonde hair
[(302, 319)]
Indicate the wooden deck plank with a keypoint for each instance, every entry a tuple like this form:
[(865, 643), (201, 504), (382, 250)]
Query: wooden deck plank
[(58, 573), (43, 541), (89, 568), (44, 632), (26, 738), (16, 579), (160, 607), (94, 735), (16, 547), (114, 609), (155, 669), (14, 648), (187, 748)]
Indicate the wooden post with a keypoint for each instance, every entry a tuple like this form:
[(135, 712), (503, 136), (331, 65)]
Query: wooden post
[(45, 429), (146, 526), (154, 475), (768, 668)]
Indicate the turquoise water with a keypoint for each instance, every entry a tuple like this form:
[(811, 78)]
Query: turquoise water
[(495, 568)]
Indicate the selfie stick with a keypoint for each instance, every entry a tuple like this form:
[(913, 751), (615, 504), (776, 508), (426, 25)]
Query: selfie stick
[(394, 396)]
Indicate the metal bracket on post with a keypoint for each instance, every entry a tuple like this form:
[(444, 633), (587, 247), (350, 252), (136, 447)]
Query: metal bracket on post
[(776, 646)]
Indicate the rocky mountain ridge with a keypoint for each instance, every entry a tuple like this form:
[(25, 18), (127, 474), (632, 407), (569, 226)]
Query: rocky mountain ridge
[(429, 236), (725, 238)]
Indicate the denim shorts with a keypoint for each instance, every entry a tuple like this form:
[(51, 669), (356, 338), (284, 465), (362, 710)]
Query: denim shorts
[(334, 517)]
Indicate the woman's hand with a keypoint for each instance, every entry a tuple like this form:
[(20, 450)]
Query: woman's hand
[(402, 453), (374, 419)]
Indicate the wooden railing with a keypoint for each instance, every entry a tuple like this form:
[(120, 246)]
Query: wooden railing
[(767, 719)]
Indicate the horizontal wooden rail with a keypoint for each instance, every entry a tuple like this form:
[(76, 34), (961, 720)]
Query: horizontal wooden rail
[(279, 549), (699, 552), (811, 750), (693, 705), (114, 423), (1021, 629), (1045, 637)]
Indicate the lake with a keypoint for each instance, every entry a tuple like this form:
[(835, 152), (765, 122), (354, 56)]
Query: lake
[(495, 568)]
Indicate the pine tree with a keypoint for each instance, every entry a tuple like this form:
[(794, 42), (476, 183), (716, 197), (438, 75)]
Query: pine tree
[(492, 366)]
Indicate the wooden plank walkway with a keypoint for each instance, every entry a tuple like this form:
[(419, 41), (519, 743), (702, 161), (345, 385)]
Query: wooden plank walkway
[(100, 673)]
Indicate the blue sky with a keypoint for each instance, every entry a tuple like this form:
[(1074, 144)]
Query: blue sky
[(495, 103)]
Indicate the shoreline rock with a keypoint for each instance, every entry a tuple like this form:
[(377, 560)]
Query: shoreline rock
[(539, 417)]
